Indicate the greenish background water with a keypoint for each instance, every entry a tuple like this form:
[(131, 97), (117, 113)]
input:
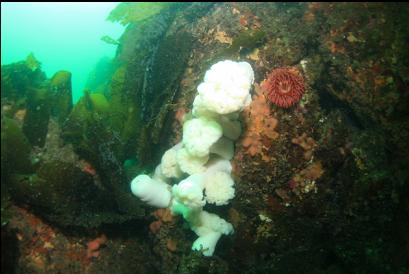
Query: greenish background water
[(63, 36)]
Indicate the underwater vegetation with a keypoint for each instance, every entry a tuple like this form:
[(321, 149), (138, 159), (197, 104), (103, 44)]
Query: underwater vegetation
[(317, 175), (129, 12), (109, 40)]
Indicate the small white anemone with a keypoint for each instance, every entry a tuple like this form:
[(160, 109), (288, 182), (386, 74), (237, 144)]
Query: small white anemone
[(219, 188), (209, 227), (199, 134), (169, 165), (158, 175), (153, 192), (189, 192), (191, 164)]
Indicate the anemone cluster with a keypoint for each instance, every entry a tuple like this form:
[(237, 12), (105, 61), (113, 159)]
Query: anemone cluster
[(197, 171)]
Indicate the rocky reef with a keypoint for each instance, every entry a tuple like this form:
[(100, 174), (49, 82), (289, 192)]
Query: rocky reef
[(321, 185)]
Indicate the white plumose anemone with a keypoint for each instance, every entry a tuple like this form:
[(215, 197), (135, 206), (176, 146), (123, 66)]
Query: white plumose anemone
[(225, 88), (204, 154)]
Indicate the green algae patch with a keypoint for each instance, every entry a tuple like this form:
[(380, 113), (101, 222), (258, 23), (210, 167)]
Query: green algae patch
[(99, 102), (61, 78)]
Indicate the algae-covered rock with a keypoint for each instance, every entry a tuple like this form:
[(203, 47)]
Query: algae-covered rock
[(17, 78), (245, 42), (133, 254), (60, 87), (99, 102), (65, 189), (99, 78), (38, 113), (159, 90), (90, 130), (66, 195), (15, 149), (90, 107), (195, 263), (167, 71), (151, 61), (32, 63), (124, 113)]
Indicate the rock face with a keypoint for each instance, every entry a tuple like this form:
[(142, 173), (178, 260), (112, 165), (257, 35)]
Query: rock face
[(320, 186)]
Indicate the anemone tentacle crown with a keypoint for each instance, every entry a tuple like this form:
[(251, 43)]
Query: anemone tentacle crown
[(284, 86)]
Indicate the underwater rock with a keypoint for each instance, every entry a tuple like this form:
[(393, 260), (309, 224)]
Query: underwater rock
[(95, 139), (65, 189), (134, 61), (125, 114), (153, 59), (92, 108), (17, 78), (163, 84), (245, 42), (99, 78), (60, 86), (99, 103), (35, 125), (9, 250), (362, 71), (194, 263), (15, 149), (65, 195)]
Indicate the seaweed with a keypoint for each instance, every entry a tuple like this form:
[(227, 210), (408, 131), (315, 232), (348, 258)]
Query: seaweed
[(32, 63), (129, 12), (109, 40), (17, 78)]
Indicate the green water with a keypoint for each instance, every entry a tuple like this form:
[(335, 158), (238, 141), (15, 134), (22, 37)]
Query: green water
[(63, 36)]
